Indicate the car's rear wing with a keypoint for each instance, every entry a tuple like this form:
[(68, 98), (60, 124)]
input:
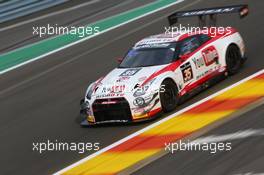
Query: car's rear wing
[(242, 10)]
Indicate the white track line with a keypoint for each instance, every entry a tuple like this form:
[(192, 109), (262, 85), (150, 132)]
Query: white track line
[(89, 37), (232, 136), (158, 123)]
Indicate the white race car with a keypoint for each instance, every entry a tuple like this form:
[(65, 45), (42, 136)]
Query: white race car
[(163, 70)]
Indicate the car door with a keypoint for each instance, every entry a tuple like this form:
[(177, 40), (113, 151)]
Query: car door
[(191, 60)]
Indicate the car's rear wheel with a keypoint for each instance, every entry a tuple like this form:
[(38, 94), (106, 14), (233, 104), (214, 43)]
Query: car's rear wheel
[(168, 95), (233, 59)]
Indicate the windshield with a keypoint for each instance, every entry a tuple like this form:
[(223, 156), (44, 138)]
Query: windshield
[(149, 55)]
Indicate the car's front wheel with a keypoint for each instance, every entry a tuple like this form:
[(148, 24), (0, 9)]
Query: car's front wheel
[(233, 59), (168, 95)]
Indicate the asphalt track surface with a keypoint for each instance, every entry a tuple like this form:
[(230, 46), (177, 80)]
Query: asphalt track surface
[(245, 157), (14, 35), (40, 101)]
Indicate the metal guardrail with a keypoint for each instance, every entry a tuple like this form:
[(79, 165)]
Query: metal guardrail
[(17, 8)]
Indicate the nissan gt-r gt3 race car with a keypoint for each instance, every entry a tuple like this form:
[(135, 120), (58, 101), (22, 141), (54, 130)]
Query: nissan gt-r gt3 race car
[(161, 71)]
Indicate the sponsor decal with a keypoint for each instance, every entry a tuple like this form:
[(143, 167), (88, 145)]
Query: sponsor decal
[(139, 110), (209, 11), (114, 89), (118, 89), (104, 90), (210, 55), (122, 79), (139, 102), (154, 45), (203, 74), (130, 72), (155, 41), (199, 62), (187, 72), (110, 95)]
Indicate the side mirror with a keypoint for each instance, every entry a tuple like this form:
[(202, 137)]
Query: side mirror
[(119, 60), (81, 101)]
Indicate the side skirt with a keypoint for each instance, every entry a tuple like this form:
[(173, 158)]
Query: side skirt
[(203, 86)]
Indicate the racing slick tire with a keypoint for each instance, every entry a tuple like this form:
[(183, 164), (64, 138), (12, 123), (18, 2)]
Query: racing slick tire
[(233, 59), (168, 95)]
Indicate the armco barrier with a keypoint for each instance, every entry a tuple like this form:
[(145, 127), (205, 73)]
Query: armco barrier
[(18, 8)]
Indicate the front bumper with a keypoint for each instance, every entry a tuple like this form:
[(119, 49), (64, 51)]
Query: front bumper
[(118, 110)]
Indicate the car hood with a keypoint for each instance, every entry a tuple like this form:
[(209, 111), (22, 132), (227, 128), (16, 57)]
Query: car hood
[(127, 78)]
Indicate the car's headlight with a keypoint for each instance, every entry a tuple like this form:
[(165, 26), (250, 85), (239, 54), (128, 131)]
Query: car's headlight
[(85, 105), (142, 90), (89, 91)]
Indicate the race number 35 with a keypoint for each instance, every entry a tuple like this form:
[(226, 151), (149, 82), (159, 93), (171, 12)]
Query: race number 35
[(187, 72)]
